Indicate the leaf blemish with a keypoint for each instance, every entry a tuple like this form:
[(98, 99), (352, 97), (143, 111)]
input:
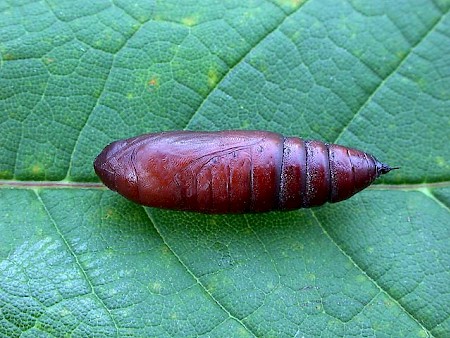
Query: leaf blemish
[(153, 84), (213, 77), (190, 20)]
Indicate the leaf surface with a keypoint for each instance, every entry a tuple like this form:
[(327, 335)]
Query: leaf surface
[(77, 259)]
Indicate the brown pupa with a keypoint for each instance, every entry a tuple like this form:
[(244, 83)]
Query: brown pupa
[(234, 171)]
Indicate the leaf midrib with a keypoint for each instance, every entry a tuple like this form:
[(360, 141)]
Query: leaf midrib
[(64, 184)]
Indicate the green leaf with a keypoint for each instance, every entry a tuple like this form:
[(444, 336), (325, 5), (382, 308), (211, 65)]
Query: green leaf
[(79, 260)]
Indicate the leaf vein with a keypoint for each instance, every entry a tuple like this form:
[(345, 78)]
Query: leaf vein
[(392, 73), (263, 38), (77, 262), (190, 272), (379, 287)]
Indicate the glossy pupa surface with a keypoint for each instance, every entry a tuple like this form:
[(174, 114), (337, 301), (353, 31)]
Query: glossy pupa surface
[(234, 171)]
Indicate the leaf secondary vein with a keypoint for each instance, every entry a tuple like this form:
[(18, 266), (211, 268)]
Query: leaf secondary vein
[(384, 81), (213, 89), (78, 263), (379, 287), (197, 280)]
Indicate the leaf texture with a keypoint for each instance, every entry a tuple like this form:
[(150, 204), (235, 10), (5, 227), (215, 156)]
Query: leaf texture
[(79, 260)]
